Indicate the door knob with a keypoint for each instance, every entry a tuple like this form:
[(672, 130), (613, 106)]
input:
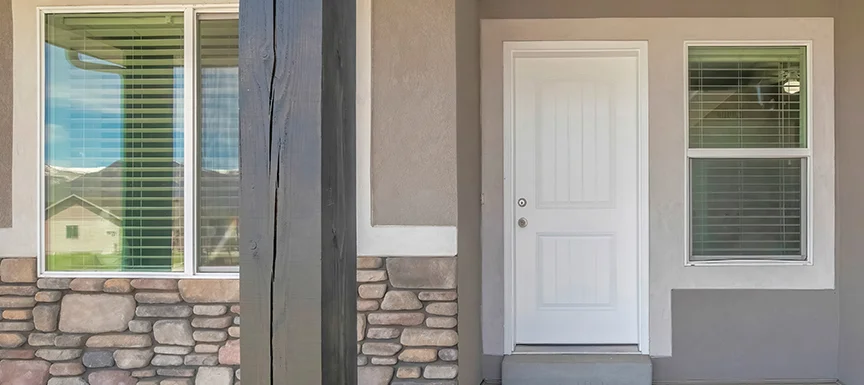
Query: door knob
[(522, 222)]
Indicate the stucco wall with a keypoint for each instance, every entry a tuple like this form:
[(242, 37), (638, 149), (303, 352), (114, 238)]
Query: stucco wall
[(6, 113), (413, 112)]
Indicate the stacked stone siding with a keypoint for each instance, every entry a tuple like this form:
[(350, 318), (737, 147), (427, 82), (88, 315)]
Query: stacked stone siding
[(64, 331), (406, 321)]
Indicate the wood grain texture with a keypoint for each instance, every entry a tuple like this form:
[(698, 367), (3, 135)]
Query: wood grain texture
[(297, 195)]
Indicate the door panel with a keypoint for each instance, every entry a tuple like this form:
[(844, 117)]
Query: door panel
[(575, 143)]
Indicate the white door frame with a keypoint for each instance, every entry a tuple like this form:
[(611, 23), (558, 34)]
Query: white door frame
[(561, 48)]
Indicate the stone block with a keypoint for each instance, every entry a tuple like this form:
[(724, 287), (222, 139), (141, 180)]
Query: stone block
[(66, 369), (229, 354), (235, 309), (214, 376), (163, 311), (440, 372), (16, 326), (234, 331), (70, 340), (17, 314), (404, 319), (48, 296), (369, 262), (175, 372), (174, 350), (201, 360), (408, 372), (364, 276), (210, 290), (7, 302), (112, 377), (67, 381), (442, 308), (367, 305), (383, 360), (132, 358), (362, 360), (429, 337), (17, 354), (11, 340), (87, 284), (383, 333), (98, 359), (18, 270), (173, 332), (441, 322), (448, 354), (143, 373), (400, 300), (422, 273), (18, 290), (418, 355), (154, 284), (212, 322), (176, 381), (120, 341), (42, 339), (58, 354), (117, 285), (211, 310), (361, 326), (381, 348), (45, 317), (140, 326), (209, 335), (449, 295), (206, 348), (372, 290), (96, 313), (23, 372), (166, 360), (158, 298), (373, 375), (54, 283)]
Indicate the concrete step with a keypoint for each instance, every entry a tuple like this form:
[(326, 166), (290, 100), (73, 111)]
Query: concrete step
[(576, 369)]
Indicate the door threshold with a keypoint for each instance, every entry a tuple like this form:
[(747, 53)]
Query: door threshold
[(576, 349)]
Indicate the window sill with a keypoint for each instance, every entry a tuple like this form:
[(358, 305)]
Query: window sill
[(745, 262), (143, 275)]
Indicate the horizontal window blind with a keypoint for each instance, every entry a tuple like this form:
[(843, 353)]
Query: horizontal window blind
[(747, 97), (219, 135), (746, 207), (114, 140), (743, 100)]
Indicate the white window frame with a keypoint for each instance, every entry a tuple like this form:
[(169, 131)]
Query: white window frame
[(190, 140), (768, 153)]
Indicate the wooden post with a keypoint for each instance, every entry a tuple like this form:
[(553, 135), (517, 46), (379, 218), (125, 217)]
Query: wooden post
[(297, 197)]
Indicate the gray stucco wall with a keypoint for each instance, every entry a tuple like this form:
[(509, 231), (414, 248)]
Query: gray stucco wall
[(6, 113), (413, 112), (850, 190)]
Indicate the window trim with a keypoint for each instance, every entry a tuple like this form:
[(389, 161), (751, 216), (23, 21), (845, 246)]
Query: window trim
[(190, 142), (702, 153)]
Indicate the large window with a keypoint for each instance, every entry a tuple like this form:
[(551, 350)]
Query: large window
[(748, 153), (141, 141)]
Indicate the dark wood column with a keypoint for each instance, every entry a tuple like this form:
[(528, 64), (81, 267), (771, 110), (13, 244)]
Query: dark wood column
[(297, 219)]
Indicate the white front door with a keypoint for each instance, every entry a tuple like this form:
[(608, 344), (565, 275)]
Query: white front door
[(575, 142)]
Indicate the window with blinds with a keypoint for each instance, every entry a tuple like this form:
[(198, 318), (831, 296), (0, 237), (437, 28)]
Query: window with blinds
[(115, 134), (748, 153)]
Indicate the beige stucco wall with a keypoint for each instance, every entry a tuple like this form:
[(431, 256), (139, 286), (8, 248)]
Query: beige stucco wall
[(6, 113), (413, 112)]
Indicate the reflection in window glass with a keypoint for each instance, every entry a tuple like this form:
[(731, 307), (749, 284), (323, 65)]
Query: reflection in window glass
[(219, 121), (114, 142)]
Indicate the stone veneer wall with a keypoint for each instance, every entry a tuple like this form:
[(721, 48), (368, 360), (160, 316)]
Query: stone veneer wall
[(60, 331), (180, 332), (406, 321)]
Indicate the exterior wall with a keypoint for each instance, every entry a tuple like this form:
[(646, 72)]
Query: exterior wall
[(6, 114), (406, 320), (414, 113), (116, 331), (96, 234)]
